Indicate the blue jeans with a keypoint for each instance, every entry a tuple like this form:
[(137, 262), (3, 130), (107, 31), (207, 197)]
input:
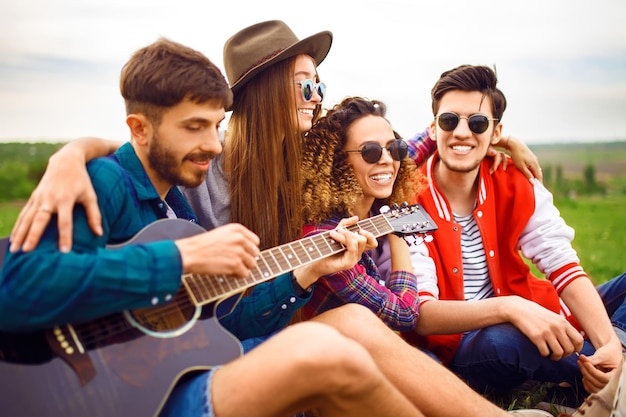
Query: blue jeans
[(499, 358)]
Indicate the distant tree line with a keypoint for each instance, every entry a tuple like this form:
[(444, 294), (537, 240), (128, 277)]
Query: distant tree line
[(571, 187), (21, 167), (23, 164)]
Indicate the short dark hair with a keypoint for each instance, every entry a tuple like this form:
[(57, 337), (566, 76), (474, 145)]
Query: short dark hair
[(470, 78), (165, 73)]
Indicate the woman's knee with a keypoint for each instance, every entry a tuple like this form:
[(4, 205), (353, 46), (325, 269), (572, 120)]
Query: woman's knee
[(354, 321), (325, 352)]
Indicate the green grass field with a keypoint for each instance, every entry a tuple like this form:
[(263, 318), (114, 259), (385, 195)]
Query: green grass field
[(8, 215), (600, 235)]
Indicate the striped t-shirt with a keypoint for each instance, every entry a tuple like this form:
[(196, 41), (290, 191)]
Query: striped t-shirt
[(475, 272)]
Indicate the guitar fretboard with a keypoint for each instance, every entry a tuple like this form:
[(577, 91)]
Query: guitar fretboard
[(272, 262)]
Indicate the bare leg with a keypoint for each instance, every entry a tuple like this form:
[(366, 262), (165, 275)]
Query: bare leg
[(307, 366), (427, 384)]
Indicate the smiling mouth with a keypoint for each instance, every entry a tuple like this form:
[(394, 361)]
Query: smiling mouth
[(308, 112), (202, 160), (381, 177), (462, 148)]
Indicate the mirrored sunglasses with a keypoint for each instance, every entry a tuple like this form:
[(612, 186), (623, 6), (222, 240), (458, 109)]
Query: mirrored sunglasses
[(371, 152), (308, 87), (478, 123)]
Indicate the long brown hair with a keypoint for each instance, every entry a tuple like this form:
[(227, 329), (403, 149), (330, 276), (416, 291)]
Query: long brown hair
[(263, 154)]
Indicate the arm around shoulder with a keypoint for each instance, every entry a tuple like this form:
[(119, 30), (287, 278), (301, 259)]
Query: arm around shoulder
[(64, 184)]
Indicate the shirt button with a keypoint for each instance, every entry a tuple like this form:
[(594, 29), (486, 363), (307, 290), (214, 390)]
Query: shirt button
[(284, 306), (479, 213), (455, 270), (292, 300), (491, 253), (154, 301), (168, 297), (455, 229)]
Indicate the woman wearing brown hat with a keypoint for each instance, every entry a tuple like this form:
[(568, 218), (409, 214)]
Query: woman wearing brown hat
[(277, 97)]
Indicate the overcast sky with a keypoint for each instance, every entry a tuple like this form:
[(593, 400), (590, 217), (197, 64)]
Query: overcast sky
[(561, 63)]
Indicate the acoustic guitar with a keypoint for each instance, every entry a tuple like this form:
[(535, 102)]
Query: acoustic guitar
[(127, 363)]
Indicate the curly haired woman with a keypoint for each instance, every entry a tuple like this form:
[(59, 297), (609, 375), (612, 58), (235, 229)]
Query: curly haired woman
[(353, 164)]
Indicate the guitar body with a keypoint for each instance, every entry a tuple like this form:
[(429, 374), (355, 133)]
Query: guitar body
[(132, 378), (130, 362)]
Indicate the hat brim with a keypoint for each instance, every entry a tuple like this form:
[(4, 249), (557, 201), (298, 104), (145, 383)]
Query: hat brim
[(316, 46)]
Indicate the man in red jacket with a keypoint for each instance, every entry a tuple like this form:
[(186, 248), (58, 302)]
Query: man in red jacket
[(482, 311)]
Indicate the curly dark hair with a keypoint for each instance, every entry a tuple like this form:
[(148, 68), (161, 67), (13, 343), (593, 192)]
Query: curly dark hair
[(329, 185)]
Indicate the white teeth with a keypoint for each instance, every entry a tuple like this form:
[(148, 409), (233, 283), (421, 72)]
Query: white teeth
[(462, 148), (306, 111), (381, 177)]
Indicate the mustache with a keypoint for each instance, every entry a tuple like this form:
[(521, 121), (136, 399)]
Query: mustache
[(200, 156)]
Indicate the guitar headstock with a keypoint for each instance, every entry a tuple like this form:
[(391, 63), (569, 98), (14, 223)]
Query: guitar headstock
[(410, 220)]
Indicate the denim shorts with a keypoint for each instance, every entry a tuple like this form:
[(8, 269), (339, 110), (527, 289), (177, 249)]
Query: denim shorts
[(192, 398)]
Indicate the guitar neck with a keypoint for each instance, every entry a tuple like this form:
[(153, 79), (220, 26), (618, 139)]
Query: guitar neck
[(278, 260)]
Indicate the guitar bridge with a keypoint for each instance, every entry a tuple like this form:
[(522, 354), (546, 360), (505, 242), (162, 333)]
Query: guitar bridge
[(64, 342)]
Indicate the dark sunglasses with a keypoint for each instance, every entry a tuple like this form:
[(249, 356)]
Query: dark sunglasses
[(371, 152), (478, 123), (308, 87)]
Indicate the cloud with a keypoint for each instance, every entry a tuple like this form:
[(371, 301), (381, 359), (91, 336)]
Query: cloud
[(562, 64)]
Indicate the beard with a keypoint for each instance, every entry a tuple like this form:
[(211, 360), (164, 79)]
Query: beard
[(167, 164), (460, 168)]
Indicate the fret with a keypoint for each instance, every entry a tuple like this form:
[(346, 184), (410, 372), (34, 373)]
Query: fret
[(302, 250), (279, 257), (381, 226), (314, 246), (332, 246), (289, 255), (268, 269), (313, 249), (208, 287), (257, 273), (378, 226), (272, 262)]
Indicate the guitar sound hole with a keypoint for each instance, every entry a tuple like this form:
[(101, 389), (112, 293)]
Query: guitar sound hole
[(165, 318)]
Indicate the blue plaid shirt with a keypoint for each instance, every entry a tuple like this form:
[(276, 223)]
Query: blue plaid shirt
[(46, 287)]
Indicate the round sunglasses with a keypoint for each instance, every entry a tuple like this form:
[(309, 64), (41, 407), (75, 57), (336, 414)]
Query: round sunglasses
[(309, 86), (371, 152), (478, 123)]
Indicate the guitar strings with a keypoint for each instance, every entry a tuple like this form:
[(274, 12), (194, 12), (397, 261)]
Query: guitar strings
[(114, 325)]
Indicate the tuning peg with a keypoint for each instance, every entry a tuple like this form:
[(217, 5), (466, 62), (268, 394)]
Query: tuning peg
[(384, 209)]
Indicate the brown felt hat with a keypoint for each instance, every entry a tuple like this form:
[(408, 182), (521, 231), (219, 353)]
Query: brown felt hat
[(256, 47)]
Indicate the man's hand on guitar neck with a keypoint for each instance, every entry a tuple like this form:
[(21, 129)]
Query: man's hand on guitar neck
[(230, 250)]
